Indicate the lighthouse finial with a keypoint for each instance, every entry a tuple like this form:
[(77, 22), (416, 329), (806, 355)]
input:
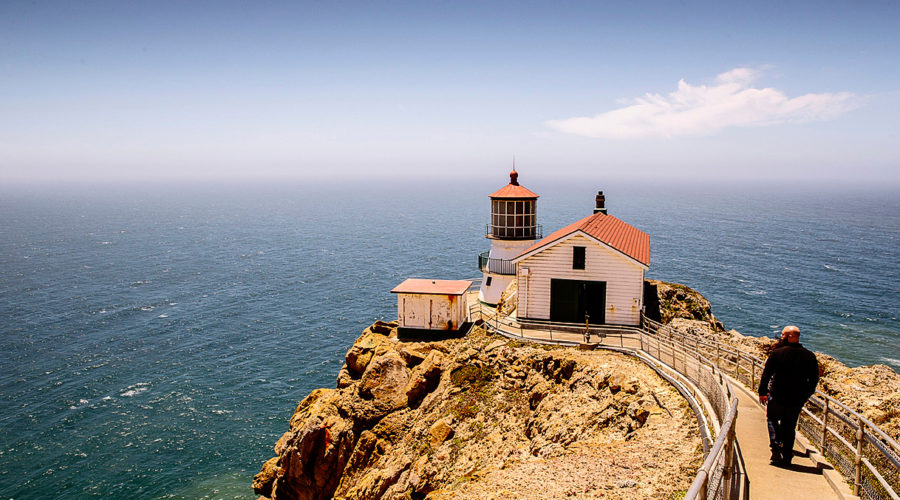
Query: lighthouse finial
[(514, 176)]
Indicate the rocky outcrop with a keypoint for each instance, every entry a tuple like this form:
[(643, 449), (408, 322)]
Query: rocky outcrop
[(679, 301), (485, 417)]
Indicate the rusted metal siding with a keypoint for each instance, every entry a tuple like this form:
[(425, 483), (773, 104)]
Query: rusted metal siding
[(624, 279)]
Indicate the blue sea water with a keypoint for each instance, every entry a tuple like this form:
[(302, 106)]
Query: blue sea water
[(156, 339)]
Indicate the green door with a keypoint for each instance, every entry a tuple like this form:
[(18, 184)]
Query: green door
[(571, 301), (595, 301)]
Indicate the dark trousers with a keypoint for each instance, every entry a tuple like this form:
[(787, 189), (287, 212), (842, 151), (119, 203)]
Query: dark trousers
[(782, 422)]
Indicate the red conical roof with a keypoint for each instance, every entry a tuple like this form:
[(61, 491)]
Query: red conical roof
[(514, 190)]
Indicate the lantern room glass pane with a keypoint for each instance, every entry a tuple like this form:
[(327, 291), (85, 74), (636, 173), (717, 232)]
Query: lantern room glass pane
[(513, 218)]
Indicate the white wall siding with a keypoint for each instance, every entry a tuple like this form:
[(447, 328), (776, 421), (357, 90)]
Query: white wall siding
[(430, 311), (624, 279)]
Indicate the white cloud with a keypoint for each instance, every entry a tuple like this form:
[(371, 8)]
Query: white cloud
[(700, 109)]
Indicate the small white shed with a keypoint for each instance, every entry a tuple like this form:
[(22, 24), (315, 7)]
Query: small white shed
[(431, 304)]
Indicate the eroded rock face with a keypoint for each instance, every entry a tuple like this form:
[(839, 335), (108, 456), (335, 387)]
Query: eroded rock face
[(262, 482), (437, 419), (385, 381), (319, 442), (424, 378), (679, 301)]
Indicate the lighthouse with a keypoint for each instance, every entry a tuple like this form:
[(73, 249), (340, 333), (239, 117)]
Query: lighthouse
[(513, 229)]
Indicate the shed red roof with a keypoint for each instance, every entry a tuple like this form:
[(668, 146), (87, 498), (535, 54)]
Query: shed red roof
[(614, 232), (434, 287)]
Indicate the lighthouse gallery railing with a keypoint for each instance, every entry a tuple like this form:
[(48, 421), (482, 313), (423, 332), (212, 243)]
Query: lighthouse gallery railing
[(496, 266)]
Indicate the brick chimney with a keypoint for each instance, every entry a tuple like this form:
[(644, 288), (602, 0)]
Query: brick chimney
[(601, 203)]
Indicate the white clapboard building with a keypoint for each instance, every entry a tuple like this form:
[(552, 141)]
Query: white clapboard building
[(591, 270)]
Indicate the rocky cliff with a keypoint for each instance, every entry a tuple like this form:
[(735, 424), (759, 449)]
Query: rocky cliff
[(485, 417), (873, 390)]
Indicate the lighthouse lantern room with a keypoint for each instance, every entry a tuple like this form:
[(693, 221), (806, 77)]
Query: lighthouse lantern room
[(513, 229)]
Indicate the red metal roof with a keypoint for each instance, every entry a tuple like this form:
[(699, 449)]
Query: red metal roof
[(434, 287), (614, 232), (513, 189)]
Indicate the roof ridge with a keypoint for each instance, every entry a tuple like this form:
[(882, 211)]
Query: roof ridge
[(608, 229)]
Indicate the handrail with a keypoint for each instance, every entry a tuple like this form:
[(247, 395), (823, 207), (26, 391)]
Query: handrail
[(865, 455), (720, 476), (702, 478)]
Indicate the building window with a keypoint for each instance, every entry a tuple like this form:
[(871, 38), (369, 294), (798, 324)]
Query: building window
[(578, 258), (489, 280)]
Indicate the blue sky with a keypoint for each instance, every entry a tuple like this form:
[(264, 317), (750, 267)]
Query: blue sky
[(270, 90)]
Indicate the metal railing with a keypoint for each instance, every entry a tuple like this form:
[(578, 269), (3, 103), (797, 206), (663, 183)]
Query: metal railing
[(868, 458), (722, 474), (496, 266), (865, 455), (514, 232)]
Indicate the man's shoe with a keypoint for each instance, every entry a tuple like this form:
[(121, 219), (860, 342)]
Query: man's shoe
[(776, 458)]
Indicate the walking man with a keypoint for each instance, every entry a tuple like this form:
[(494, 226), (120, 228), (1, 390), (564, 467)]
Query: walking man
[(793, 372)]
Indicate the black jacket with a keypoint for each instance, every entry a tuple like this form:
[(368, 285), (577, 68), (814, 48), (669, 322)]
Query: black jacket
[(794, 373)]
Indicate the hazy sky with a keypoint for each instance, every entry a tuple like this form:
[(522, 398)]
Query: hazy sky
[(233, 90)]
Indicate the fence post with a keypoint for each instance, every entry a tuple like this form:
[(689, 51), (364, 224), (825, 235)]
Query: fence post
[(718, 363), (752, 374), (728, 466), (824, 428), (860, 438)]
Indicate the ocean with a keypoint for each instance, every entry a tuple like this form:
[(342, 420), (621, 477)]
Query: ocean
[(156, 338)]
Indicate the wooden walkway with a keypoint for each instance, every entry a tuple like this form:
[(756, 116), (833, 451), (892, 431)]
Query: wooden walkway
[(809, 477)]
